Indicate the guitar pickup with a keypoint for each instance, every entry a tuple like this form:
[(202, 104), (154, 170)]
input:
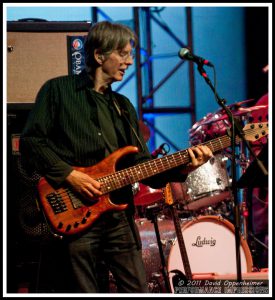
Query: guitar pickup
[(76, 202), (57, 203)]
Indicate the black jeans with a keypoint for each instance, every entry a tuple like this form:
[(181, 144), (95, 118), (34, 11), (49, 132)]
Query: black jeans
[(110, 242)]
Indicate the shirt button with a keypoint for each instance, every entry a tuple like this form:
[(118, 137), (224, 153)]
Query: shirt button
[(99, 133)]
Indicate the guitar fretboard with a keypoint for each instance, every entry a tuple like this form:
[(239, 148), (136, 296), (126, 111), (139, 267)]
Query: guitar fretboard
[(156, 166)]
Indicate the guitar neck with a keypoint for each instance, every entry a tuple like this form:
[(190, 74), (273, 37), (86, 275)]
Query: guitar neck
[(156, 166)]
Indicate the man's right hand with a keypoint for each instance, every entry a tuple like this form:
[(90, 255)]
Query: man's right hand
[(84, 184)]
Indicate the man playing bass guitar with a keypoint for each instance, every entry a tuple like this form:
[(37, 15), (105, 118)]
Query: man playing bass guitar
[(75, 138)]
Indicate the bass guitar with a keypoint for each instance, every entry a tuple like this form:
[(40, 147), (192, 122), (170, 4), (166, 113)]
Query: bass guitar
[(68, 214)]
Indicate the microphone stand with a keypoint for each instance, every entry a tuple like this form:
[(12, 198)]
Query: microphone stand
[(235, 128)]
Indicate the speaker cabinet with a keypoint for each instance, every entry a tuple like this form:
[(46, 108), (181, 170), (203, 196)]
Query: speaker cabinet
[(36, 52)]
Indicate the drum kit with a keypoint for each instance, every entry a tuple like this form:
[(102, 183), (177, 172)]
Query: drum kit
[(204, 207)]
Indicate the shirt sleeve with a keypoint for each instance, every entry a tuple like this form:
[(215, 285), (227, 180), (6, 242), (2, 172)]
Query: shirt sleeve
[(35, 142)]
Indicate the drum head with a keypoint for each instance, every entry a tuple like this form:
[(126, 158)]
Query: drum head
[(210, 246)]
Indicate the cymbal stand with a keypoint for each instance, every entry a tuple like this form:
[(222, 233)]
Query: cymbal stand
[(152, 212), (244, 162)]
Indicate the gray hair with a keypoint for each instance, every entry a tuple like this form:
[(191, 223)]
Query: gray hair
[(106, 37)]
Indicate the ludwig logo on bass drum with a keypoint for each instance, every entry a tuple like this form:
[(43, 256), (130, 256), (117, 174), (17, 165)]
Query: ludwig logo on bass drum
[(201, 242)]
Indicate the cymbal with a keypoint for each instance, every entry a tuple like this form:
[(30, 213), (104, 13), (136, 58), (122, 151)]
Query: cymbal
[(240, 103), (201, 122), (207, 119), (242, 111)]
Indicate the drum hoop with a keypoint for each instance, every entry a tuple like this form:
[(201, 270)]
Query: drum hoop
[(229, 225), (209, 194)]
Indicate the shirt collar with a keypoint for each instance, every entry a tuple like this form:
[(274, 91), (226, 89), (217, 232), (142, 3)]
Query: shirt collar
[(83, 80)]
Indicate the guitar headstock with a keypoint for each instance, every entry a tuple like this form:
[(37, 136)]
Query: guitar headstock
[(255, 131)]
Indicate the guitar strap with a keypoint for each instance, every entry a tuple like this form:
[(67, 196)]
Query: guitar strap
[(125, 114)]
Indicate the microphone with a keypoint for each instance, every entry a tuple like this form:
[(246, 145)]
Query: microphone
[(184, 53), (160, 150)]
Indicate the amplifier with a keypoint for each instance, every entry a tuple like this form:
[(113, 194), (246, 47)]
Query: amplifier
[(36, 52)]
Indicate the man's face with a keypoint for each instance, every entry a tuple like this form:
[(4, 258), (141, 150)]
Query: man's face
[(116, 64)]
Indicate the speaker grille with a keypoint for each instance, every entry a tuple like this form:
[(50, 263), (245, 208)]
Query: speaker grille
[(31, 219)]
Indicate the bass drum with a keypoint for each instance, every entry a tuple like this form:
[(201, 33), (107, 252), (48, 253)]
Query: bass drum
[(210, 246)]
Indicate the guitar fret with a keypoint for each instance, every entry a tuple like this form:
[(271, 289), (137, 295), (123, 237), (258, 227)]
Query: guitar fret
[(138, 174), (144, 171), (220, 142), (120, 180), (178, 160), (114, 181), (155, 167), (132, 175)]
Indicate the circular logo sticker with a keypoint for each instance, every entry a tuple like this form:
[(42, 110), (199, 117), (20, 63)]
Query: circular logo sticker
[(77, 44)]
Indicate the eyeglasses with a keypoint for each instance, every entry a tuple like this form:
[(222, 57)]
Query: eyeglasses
[(126, 55)]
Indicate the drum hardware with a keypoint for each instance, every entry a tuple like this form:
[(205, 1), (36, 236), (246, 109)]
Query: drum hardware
[(151, 213), (155, 285), (178, 280)]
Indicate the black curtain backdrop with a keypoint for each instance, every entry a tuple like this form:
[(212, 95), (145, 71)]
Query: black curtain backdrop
[(256, 23)]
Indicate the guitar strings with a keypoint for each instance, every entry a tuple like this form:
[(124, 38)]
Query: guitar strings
[(131, 175)]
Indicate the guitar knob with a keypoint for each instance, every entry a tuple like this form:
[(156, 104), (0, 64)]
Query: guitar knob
[(60, 225), (76, 224), (84, 220), (69, 227)]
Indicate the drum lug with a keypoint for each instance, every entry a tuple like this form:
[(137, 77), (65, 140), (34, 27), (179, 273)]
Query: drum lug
[(219, 181), (220, 217), (189, 191), (224, 159)]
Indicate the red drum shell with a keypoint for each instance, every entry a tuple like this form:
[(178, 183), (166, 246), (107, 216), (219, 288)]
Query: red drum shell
[(146, 195)]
